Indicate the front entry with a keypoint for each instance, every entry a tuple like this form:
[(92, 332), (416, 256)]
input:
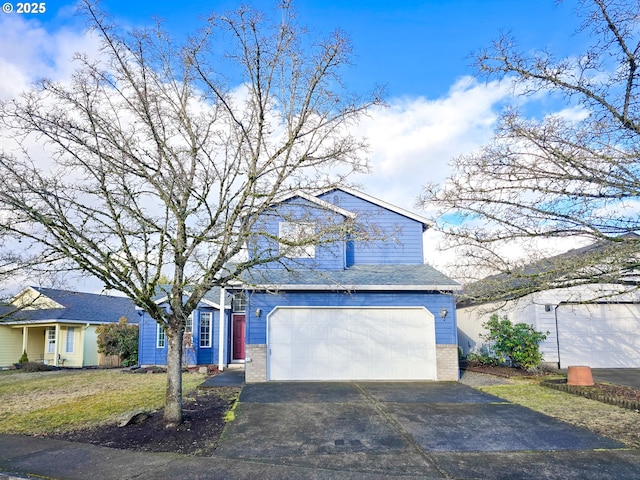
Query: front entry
[(238, 336)]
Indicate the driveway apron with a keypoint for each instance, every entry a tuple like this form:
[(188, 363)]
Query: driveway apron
[(415, 429)]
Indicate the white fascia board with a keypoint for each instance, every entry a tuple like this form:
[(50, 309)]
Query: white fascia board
[(57, 320), (322, 203), (448, 288), (418, 218), (204, 300)]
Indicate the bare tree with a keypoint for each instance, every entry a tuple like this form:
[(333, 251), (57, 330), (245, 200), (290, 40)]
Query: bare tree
[(558, 176), (160, 168)]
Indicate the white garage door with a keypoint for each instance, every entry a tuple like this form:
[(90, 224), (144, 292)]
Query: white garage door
[(329, 343), (600, 336)]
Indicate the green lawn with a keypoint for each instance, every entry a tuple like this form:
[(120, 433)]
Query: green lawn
[(46, 402)]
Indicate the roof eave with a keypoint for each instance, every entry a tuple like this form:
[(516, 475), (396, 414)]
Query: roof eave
[(341, 287)]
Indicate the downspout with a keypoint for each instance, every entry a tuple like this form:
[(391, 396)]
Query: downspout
[(82, 345), (555, 312), (222, 320)]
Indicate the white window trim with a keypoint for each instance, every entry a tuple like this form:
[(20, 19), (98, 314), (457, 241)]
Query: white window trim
[(70, 340), (161, 339), (209, 327), (294, 232), (188, 326), (51, 340)]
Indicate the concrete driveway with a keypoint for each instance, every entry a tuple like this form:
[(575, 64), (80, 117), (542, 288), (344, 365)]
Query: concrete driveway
[(418, 430)]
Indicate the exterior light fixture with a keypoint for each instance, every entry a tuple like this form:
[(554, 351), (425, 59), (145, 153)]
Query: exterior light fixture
[(258, 312), (443, 313)]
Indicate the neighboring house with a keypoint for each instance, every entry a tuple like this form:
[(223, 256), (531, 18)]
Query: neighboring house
[(597, 325), (58, 327), (362, 306)]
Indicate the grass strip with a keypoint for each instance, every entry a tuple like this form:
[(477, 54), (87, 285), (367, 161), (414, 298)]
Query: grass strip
[(38, 405)]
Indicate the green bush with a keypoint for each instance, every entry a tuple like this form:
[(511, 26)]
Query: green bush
[(24, 358), (519, 343), (119, 339), (483, 359)]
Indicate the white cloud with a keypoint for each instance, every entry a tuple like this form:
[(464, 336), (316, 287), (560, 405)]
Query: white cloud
[(32, 52), (413, 140)]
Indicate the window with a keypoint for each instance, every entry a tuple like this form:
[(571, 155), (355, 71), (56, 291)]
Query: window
[(188, 325), (239, 302), (160, 336), (51, 340), (205, 329), (293, 233), (71, 338)]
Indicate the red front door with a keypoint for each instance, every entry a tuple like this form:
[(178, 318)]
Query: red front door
[(238, 336)]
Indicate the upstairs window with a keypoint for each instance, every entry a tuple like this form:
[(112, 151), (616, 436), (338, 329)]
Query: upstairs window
[(293, 233)]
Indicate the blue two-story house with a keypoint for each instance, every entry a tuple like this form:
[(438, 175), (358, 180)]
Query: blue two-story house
[(357, 304)]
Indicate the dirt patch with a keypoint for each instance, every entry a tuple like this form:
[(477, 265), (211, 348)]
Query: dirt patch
[(203, 414), (506, 372)]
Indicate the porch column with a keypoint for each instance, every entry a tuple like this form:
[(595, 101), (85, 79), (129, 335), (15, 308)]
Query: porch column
[(221, 330), (57, 345), (25, 339)]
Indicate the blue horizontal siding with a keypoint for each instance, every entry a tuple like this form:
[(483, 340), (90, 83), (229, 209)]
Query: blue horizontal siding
[(328, 256), (383, 236), (149, 354), (434, 302), (396, 238)]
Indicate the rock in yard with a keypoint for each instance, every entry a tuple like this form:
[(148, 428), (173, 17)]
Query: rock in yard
[(132, 418)]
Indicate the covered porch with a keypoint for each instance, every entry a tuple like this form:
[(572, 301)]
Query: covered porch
[(56, 344)]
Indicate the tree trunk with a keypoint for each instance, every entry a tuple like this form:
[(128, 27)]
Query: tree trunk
[(173, 401)]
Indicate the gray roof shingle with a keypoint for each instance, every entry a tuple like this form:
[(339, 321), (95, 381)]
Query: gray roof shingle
[(79, 307), (358, 277)]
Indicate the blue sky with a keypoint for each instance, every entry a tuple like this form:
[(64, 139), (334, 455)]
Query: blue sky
[(415, 48), (419, 50)]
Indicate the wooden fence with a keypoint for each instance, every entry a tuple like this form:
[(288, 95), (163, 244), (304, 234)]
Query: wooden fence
[(109, 360)]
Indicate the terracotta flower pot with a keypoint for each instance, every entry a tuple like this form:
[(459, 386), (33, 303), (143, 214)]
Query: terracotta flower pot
[(579, 375)]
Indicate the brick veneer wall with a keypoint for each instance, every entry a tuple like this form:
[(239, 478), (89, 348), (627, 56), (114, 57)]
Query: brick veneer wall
[(256, 369), (447, 362)]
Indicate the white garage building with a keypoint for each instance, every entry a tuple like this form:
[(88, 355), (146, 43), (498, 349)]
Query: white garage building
[(597, 333)]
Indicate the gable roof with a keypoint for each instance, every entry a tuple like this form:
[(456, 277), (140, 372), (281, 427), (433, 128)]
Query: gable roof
[(74, 307), (211, 298), (586, 265), (317, 201), (387, 277), (426, 223)]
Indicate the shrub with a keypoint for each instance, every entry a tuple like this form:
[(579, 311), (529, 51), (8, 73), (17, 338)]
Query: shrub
[(35, 367), (23, 358), (483, 359), (519, 343), (119, 339)]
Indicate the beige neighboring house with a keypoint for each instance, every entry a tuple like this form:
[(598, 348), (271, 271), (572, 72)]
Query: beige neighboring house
[(58, 327), (593, 324)]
